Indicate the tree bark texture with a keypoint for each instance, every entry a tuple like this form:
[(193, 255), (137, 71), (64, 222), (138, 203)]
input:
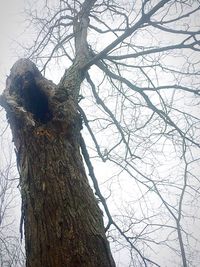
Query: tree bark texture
[(62, 221)]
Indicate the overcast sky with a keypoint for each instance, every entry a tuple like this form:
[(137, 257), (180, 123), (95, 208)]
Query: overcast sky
[(11, 28)]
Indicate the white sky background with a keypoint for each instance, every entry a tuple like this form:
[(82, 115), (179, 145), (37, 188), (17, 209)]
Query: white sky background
[(12, 30)]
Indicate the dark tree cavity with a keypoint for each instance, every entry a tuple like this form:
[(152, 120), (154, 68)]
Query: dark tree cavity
[(31, 97)]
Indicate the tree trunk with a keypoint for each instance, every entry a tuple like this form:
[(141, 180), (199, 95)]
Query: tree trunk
[(62, 221)]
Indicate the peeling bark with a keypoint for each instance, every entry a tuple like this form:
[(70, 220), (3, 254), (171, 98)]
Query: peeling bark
[(62, 221)]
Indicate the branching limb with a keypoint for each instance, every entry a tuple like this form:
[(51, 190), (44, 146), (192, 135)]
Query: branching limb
[(103, 201), (149, 103), (100, 102)]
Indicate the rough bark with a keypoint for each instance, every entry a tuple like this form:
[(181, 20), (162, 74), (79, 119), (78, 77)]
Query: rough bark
[(62, 221)]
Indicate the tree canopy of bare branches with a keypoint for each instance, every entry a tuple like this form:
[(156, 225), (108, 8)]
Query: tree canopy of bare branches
[(132, 68)]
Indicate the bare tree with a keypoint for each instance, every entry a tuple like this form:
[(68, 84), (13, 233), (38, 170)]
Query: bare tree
[(132, 72)]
